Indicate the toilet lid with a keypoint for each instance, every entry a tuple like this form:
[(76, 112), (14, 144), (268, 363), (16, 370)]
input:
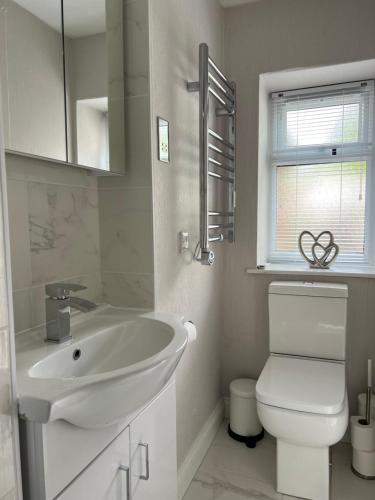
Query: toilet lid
[(307, 385)]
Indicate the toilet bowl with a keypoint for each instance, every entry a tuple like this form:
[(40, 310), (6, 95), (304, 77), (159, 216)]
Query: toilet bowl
[(304, 429), (301, 392)]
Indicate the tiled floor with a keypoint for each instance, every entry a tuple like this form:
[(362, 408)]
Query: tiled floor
[(230, 471)]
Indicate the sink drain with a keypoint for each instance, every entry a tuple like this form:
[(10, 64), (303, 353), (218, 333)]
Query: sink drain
[(76, 354)]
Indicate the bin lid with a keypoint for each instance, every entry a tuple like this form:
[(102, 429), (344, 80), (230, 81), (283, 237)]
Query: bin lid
[(243, 387)]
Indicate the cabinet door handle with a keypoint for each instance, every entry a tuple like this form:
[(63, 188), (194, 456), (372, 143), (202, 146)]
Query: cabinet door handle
[(146, 477), (125, 468)]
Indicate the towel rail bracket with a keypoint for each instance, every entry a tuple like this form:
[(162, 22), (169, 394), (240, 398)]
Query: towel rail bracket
[(192, 86)]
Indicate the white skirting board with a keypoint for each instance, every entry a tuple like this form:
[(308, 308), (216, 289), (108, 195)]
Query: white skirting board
[(199, 448)]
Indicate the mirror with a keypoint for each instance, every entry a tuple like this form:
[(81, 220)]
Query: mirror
[(62, 80), (95, 83), (32, 77)]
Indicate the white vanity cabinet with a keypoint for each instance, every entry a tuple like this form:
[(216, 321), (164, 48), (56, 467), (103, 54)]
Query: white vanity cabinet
[(137, 462), (107, 478), (153, 451)]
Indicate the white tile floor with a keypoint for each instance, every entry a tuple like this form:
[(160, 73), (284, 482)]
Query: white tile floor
[(230, 471)]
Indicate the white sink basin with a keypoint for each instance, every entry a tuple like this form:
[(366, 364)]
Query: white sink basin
[(117, 361)]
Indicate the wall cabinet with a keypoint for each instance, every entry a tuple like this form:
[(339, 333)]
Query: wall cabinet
[(32, 78), (135, 460), (62, 81)]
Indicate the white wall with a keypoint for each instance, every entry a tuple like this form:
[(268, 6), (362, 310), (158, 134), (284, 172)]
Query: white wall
[(182, 286), (265, 36)]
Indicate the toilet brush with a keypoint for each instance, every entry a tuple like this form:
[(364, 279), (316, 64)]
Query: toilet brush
[(363, 437), (369, 391), (367, 419)]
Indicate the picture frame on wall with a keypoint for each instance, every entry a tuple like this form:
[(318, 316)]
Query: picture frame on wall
[(163, 140)]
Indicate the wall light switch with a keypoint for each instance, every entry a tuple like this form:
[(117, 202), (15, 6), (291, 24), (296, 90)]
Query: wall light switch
[(184, 241)]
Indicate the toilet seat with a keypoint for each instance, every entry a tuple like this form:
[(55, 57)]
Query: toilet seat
[(301, 384)]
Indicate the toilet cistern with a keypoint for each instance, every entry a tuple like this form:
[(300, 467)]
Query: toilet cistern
[(58, 304)]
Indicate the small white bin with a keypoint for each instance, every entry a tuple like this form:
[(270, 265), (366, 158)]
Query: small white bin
[(244, 423)]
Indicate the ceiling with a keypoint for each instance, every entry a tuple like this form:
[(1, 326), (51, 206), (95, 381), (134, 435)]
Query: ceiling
[(83, 18), (234, 3)]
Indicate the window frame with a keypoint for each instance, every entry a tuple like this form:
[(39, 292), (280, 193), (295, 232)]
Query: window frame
[(320, 154)]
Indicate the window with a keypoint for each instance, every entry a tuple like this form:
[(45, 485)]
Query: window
[(322, 141)]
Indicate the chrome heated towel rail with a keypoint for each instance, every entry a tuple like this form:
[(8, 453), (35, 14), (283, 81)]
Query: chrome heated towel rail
[(217, 156)]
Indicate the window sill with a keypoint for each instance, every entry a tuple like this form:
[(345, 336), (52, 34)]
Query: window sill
[(300, 269)]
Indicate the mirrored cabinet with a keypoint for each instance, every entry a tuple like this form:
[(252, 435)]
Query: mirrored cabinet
[(32, 77), (62, 81)]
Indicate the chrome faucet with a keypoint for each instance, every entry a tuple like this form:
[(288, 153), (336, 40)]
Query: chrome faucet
[(58, 304)]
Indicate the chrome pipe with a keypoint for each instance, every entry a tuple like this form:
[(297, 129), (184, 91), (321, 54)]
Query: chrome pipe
[(218, 226), (221, 75), (220, 165), (226, 100), (221, 152), (232, 135), (222, 100), (212, 239), (203, 154), (220, 214), (220, 138), (222, 89), (224, 112), (220, 177)]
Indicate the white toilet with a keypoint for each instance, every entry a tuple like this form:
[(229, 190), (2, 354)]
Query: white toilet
[(301, 392)]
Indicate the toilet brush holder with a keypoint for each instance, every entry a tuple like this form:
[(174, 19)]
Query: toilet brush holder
[(363, 442)]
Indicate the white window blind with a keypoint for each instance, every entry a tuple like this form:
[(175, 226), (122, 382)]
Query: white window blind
[(321, 161)]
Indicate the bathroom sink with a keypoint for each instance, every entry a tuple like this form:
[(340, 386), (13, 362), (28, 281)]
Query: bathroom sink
[(117, 360)]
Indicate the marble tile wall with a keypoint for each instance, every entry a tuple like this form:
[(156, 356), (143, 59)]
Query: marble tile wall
[(54, 233), (125, 203)]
